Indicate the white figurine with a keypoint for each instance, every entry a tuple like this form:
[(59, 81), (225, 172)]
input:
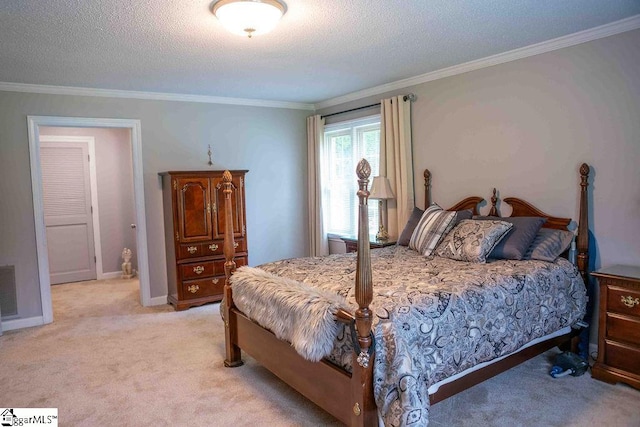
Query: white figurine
[(127, 273)]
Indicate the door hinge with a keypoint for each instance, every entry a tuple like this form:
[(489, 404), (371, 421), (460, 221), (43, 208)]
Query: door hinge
[(88, 157), (175, 184), (91, 209), (95, 259)]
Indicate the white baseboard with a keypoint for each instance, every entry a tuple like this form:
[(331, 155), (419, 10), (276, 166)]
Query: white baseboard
[(593, 349), (158, 301), (111, 275), (10, 325)]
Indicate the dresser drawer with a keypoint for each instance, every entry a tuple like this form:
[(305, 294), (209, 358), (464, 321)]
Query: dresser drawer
[(213, 248), (193, 250), (624, 301), (217, 247), (623, 328), (197, 270), (219, 264), (621, 356), (210, 286)]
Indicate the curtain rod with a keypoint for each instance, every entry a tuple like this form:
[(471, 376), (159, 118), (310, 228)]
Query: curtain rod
[(408, 97)]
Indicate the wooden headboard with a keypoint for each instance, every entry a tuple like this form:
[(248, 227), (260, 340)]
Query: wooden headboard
[(468, 203), (523, 208)]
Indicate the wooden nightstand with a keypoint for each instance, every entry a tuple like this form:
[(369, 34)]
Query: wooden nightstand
[(351, 243), (619, 326)]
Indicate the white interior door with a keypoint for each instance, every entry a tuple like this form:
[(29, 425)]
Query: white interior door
[(67, 211)]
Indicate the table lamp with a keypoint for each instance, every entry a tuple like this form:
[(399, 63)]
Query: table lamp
[(381, 190)]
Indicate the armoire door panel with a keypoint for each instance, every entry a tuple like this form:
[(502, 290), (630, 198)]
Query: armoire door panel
[(194, 209), (237, 203)]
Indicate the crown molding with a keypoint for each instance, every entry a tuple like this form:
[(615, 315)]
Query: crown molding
[(617, 27), (155, 96)]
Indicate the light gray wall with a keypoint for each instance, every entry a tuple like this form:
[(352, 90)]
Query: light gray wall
[(114, 175), (526, 126), (270, 142)]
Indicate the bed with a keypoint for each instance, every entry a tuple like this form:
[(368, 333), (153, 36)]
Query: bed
[(347, 381)]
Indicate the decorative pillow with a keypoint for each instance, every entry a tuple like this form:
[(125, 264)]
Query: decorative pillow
[(472, 240), (514, 245), (406, 234), (434, 223), (549, 244)]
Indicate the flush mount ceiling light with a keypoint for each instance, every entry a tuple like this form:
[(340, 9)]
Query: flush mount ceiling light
[(249, 17)]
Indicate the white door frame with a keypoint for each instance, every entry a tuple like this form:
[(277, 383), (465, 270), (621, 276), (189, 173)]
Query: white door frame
[(33, 124), (93, 182)]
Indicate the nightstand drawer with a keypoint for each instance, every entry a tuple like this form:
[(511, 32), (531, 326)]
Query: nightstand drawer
[(623, 328), (203, 288), (620, 356), (624, 301)]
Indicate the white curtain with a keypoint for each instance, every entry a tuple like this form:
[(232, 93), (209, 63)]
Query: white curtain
[(318, 242), (396, 161)]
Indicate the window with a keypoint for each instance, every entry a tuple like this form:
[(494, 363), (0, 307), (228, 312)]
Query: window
[(345, 144)]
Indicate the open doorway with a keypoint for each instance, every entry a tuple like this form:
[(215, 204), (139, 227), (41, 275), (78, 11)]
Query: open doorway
[(66, 137), (89, 209)]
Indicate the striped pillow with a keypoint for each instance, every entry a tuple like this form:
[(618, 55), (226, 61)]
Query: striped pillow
[(433, 225), (549, 244)]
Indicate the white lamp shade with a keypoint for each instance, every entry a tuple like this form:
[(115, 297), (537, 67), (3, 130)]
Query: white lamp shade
[(381, 189), (249, 17)]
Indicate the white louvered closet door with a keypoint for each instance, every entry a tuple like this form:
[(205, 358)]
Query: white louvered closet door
[(67, 211)]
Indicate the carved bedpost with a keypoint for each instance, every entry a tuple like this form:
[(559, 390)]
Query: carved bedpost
[(494, 201), (582, 241), (427, 188), (233, 354), (364, 409)]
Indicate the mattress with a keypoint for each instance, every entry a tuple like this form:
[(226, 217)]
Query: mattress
[(437, 319)]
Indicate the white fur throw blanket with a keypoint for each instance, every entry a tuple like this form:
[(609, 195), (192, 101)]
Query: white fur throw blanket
[(292, 310)]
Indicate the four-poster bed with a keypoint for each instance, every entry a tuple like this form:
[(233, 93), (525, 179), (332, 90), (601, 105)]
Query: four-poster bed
[(349, 394)]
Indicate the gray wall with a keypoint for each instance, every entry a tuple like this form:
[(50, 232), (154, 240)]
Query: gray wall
[(270, 142), (114, 175), (526, 126)]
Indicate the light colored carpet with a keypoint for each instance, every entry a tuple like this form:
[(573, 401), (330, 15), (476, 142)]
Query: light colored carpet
[(108, 361)]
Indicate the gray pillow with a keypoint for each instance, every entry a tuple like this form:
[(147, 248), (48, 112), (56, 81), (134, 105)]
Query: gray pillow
[(405, 236), (515, 244), (549, 244), (460, 215)]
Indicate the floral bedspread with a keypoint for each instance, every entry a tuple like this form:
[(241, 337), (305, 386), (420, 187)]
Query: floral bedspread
[(436, 317)]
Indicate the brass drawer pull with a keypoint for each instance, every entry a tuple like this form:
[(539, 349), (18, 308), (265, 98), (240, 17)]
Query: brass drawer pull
[(629, 301), (213, 247), (235, 245), (198, 270), (192, 249), (193, 288), (214, 281)]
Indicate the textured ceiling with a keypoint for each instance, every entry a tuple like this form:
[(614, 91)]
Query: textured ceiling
[(320, 50)]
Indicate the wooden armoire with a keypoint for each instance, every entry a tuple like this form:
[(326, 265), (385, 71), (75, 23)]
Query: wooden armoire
[(194, 231)]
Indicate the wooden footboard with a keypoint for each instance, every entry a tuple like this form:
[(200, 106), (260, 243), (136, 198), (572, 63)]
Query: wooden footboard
[(349, 396)]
